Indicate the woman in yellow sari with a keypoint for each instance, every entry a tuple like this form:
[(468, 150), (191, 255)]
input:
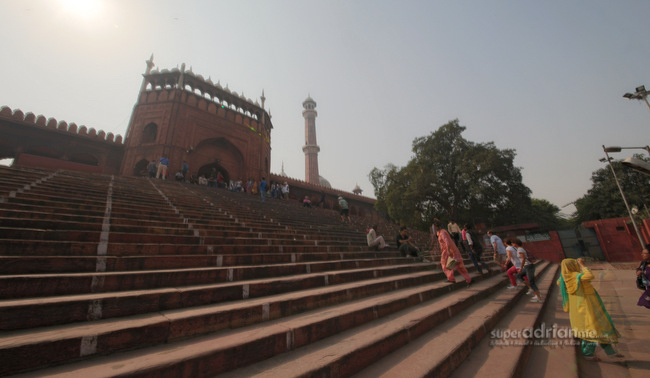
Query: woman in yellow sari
[(589, 318)]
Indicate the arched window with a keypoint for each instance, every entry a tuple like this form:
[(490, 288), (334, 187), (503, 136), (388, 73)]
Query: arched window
[(150, 133)]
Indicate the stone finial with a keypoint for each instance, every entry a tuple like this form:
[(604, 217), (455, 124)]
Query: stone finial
[(150, 65)]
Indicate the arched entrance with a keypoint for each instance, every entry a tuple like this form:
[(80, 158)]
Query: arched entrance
[(141, 168), (221, 154), (206, 169)]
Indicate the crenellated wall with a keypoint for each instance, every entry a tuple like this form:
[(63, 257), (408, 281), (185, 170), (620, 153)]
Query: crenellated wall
[(45, 142), (17, 115)]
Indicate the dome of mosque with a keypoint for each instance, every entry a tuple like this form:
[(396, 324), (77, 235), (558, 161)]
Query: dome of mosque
[(323, 182)]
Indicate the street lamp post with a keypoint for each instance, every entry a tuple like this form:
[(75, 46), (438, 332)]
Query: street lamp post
[(640, 93), (618, 149), (627, 206), (633, 163)]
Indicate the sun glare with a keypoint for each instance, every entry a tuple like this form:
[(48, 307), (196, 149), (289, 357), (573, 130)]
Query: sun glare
[(84, 9)]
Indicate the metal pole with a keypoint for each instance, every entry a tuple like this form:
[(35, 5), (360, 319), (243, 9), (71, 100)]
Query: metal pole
[(645, 99), (627, 206)]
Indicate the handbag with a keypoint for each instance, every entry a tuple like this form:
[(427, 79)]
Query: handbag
[(451, 263), (639, 282)]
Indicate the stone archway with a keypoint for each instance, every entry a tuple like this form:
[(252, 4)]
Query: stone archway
[(221, 154), (207, 169), (141, 168)]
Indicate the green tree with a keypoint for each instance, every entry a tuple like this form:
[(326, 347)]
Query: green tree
[(604, 199), (547, 215), (451, 177)]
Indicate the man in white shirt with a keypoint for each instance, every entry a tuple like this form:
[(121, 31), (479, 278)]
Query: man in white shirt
[(499, 248)]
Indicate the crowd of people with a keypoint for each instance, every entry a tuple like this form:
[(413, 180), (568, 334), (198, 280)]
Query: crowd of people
[(277, 190), (513, 260), (590, 322)]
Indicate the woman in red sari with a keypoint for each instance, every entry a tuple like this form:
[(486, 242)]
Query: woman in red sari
[(448, 249)]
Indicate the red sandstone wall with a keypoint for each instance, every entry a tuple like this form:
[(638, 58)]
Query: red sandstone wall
[(37, 141), (27, 160), (359, 205), (239, 143), (550, 250), (617, 239)]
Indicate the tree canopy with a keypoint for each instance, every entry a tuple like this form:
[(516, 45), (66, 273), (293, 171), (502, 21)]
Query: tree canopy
[(450, 177), (604, 199)]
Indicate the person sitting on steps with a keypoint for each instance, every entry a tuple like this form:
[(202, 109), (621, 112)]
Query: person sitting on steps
[(375, 241)]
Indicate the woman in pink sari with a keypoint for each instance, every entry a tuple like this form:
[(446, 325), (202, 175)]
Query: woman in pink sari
[(448, 249)]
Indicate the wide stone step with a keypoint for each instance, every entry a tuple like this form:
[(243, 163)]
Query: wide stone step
[(65, 343), (14, 265), (13, 205), (509, 350), (231, 348), (440, 352), (54, 235), (227, 350), (90, 235), (154, 246), (64, 193), (95, 224), (378, 346), (18, 314), (49, 216), (69, 201), (45, 285), (81, 208), (21, 247), (92, 224)]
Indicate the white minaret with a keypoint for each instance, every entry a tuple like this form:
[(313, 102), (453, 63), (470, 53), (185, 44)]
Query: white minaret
[(310, 148)]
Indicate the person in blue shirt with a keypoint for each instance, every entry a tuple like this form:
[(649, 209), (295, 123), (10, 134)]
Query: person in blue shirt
[(263, 189), (163, 163)]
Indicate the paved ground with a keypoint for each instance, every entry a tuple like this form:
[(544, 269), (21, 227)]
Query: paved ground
[(616, 286)]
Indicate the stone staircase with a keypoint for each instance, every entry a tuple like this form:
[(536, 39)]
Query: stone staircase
[(122, 276)]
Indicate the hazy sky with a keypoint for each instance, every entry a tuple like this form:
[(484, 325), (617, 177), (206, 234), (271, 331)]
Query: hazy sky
[(545, 78)]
